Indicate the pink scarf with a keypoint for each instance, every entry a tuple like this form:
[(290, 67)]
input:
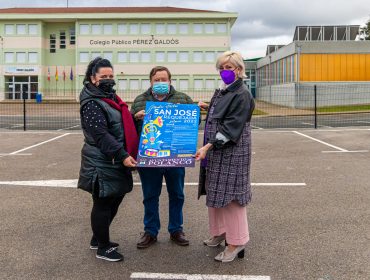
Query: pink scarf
[(131, 138)]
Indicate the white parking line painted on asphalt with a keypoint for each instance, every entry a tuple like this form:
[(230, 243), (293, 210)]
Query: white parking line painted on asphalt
[(68, 127), (73, 183), (279, 184), (37, 132), (322, 142), (39, 144), (277, 130), (7, 154), (319, 125), (257, 127), (359, 151), (172, 276), (44, 183), (16, 125)]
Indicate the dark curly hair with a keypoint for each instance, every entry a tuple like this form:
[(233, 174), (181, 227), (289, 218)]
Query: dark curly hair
[(94, 67)]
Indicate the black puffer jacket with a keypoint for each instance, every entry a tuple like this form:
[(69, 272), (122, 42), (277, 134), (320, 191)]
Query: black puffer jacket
[(113, 177)]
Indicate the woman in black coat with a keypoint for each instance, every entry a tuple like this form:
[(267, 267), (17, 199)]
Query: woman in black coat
[(226, 159), (108, 153)]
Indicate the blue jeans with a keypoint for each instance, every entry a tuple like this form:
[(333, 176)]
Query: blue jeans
[(151, 180)]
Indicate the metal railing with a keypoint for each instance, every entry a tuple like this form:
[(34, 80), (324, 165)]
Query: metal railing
[(286, 106)]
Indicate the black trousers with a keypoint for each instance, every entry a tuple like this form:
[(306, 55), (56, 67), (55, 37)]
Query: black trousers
[(102, 214)]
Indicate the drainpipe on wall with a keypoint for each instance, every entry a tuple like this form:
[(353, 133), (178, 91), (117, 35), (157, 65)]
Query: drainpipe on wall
[(270, 77), (296, 101)]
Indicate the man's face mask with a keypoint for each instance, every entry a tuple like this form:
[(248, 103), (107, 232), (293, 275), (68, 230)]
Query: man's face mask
[(161, 88), (107, 85)]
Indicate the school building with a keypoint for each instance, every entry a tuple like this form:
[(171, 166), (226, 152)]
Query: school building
[(47, 49), (330, 57)]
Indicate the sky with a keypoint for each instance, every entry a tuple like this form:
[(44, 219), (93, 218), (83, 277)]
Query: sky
[(260, 22)]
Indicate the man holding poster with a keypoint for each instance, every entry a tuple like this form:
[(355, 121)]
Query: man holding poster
[(164, 153)]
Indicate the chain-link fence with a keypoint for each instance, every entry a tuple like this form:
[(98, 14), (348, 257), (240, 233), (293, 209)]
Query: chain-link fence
[(289, 106)]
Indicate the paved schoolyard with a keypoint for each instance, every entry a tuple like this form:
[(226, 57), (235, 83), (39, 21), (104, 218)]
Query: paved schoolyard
[(309, 219)]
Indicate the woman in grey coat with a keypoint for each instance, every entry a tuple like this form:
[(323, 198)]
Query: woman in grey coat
[(226, 159)]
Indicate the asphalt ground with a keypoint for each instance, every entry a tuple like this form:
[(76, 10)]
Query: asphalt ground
[(317, 230)]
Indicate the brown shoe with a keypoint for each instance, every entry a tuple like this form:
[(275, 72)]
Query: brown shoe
[(179, 238), (146, 240)]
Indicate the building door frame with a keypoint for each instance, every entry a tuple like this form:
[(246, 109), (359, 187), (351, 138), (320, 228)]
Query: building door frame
[(21, 90)]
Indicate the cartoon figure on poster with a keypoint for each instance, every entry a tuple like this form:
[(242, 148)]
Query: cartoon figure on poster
[(151, 139)]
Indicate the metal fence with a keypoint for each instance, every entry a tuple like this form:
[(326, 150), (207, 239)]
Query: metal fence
[(288, 106)]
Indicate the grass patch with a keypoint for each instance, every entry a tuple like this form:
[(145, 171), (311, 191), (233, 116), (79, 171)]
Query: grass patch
[(344, 108), (257, 112)]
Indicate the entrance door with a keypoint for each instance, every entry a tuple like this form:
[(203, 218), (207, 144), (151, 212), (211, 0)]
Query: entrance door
[(21, 91)]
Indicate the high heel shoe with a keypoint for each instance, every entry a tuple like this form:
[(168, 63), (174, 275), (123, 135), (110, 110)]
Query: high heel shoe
[(227, 256), (214, 241)]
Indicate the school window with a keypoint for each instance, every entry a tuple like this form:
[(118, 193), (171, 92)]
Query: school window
[(172, 56), (134, 84), (183, 56), (198, 57), (210, 84), (9, 29), (84, 29), (108, 55), (21, 57), (32, 57), (122, 57), (134, 56), (210, 28), (122, 28), (122, 84), (32, 29), (159, 56), (145, 56), (62, 39), (197, 28), (107, 29), (219, 53), (221, 27), (72, 36), (96, 29), (134, 28), (198, 84), (84, 57), (183, 28), (9, 57), (145, 28), (145, 84), (210, 56), (21, 29), (160, 28), (184, 84), (52, 43), (171, 28), (95, 54)]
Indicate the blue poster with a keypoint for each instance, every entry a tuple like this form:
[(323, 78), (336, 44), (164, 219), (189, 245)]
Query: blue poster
[(169, 135)]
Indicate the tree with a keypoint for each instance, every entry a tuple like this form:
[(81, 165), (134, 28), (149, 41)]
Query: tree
[(365, 30)]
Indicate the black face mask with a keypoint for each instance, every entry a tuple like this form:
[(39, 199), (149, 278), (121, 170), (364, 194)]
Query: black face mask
[(107, 85)]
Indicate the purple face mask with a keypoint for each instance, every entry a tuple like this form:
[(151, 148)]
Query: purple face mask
[(228, 76)]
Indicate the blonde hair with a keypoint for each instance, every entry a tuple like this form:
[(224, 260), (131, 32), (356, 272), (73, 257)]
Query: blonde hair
[(235, 58)]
